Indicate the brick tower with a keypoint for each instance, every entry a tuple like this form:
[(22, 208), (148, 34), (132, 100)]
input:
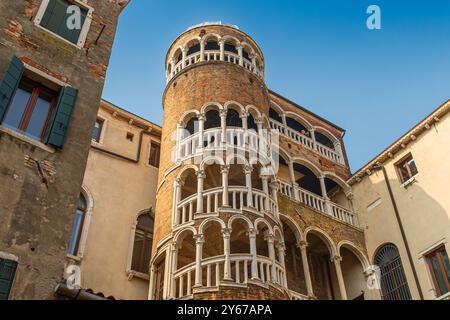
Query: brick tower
[(219, 230)]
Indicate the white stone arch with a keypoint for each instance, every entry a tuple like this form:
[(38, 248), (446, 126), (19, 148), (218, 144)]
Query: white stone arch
[(286, 155), (263, 221), (186, 168), (210, 35), (277, 108), (226, 38), (188, 115), (205, 223), (356, 251), (175, 55), (207, 160), (266, 122), (327, 134), (239, 217), (299, 119), (230, 104), (246, 45), (299, 235), (243, 160), (251, 109), (341, 182), (211, 106), (311, 166), (278, 234), (179, 236), (194, 38), (87, 219), (325, 237)]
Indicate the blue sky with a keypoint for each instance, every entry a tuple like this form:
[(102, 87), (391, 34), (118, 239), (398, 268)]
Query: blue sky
[(319, 53)]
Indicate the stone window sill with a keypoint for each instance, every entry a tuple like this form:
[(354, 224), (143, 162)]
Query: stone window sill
[(410, 182), (26, 139), (134, 274)]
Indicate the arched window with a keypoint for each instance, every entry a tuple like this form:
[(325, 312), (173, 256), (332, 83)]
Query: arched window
[(193, 48), (324, 140), (212, 45), (143, 240), (251, 123), (394, 285), (246, 55), (230, 47), (233, 119), (212, 119), (275, 116), (77, 226), (297, 126)]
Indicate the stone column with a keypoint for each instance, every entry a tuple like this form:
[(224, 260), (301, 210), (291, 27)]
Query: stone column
[(271, 246), (223, 125), (151, 290), (294, 183), (201, 129), (265, 185), (241, 55), (184, 54), (338, 149), (303, 245), (248, 182), (177, 199), (172, 67), (252, 237), (225, 170), (226, 233), (275, 186), (244, 119), (199, 241), (173, 288), (281, 252), (337, 264), (179, 137), (201, 176), (328, 209), (202, 51), (222, 50)]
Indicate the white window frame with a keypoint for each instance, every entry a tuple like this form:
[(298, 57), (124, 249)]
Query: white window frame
[(149, 150), (84, 29), (102, 132)]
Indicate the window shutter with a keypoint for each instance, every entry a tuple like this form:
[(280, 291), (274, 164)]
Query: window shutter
[(56, 133), (7, 272), (9, 84)]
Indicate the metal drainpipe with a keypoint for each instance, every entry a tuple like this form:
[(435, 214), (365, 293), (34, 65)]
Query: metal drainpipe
[(402, 230), (75, 294)]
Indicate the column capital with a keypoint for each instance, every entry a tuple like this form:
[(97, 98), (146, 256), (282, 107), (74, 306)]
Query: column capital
[(201, 117), (184, 49), (275, 185), (201, 174), (180, 182), (302, 244), (199, 239), (252, 233), (174, 246), (223, 113), (269, 238), (181, 123), (224, 169), (281, 246), (248, 169), (349, 194), (226, 232), (336, 258)]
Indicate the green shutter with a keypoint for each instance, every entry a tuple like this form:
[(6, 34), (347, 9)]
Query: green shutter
[(56, 133), (9, 84), (7, 272)]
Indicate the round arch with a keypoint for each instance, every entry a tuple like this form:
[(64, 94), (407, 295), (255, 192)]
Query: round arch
[(263, 221), (356, 251), (235, 105), (311, 166), (323, 236), (299, 119), (342, 183), (299, 235), (205, 223), (239, 217), (210, 160), (211, 106), (179, 236), (187, 168), (326, 133)]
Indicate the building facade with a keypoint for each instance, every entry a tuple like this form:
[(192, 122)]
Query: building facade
[(229, 224), (52, 79), (402, 201)]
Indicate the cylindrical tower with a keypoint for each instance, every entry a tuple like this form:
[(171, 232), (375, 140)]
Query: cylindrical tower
[(217, 230)]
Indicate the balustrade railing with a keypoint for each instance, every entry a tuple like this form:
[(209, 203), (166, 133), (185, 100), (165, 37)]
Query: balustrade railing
[(213, 200), (214, 55), (343, 214), (213, 273), (297, 296), (307, 142)]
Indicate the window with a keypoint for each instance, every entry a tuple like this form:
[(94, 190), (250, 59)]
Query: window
[(40, 111), (407, 169), (97, 132), (7, 272), (30, 109), (58, 17), (394, 285), (439, 266), (155, 151), (77, 227), (142, 248)]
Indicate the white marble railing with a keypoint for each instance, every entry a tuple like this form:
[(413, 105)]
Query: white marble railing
[(319, 204), (307, 142), (213, 55), (238, 200), (297, 296), (212, 139), (213, 273)]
